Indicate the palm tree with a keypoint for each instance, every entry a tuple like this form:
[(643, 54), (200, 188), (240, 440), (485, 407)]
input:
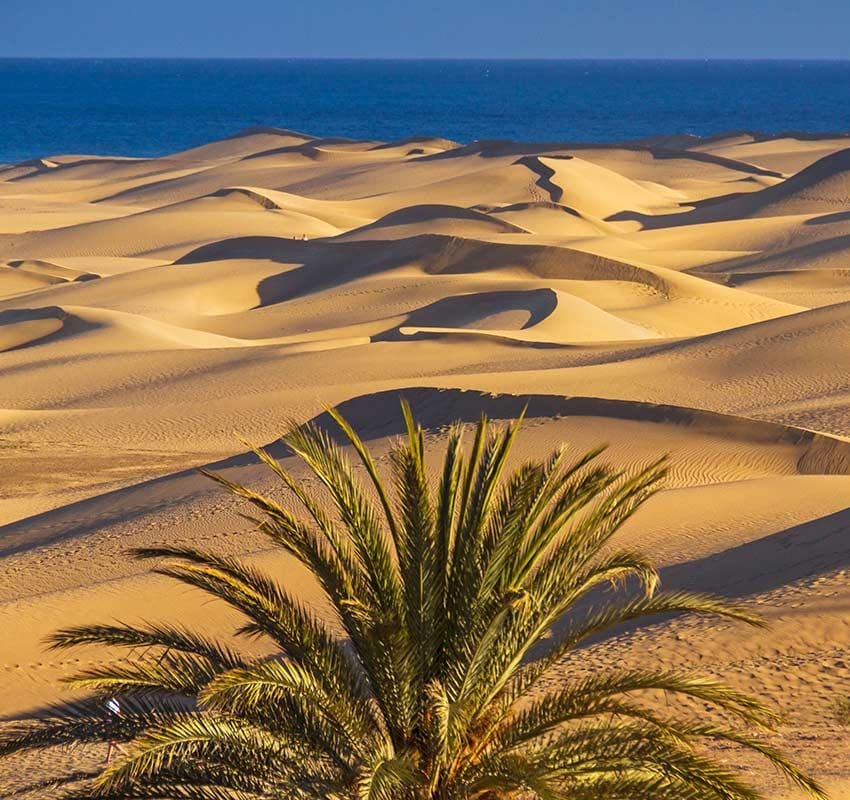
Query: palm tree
[(438, 676)]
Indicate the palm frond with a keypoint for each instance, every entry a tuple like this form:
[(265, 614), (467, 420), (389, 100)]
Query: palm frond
[(186, 740), (613, 616), (166, 791), (174, 673), (256, 692), (386, 778), (84, 722), (149, 636), (591, 697)]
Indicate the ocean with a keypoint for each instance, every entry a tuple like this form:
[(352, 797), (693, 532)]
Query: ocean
[(153, 107)]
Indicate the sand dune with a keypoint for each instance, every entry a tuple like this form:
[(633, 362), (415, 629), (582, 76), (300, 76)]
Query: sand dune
[(24, 327), (820, 188), (677, 295), (541, 316), (19, 277), (243, 144), (549, 218), (596, 190), (441, 219), (787, 153)]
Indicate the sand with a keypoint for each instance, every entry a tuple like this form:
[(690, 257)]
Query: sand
[(686, 296)]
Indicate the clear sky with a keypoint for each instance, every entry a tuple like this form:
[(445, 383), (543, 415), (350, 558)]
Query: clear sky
[(427, 28)]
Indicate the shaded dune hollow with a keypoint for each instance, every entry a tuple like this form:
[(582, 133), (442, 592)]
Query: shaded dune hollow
[(677, 295), (543, 316)]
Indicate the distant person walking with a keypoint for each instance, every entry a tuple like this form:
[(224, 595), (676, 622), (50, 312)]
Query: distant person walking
[(114, 707)]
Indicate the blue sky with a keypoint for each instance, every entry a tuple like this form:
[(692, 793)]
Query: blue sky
[(427, 28)]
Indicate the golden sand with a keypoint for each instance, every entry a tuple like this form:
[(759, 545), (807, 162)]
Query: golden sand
[(691, 298)]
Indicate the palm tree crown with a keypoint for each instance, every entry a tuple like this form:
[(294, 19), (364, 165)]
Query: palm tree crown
[(423, 684)]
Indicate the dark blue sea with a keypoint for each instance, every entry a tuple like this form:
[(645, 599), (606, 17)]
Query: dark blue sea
[(152, 107)]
